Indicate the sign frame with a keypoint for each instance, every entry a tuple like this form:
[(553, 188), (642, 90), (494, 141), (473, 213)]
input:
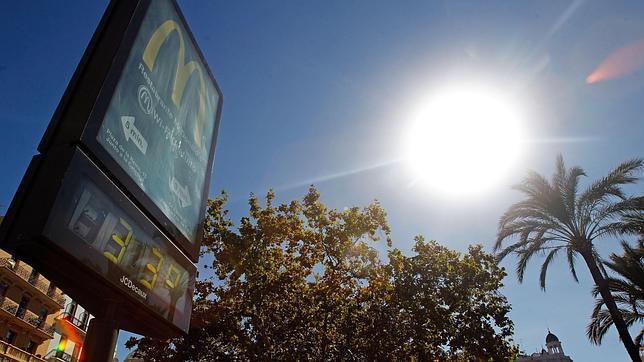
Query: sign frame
[(57, 231), (87, 104), (74, 128), (31, 214)]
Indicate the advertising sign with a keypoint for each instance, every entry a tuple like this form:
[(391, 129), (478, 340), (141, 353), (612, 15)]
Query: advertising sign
[(90, 221), (159, 126), (112, 208)]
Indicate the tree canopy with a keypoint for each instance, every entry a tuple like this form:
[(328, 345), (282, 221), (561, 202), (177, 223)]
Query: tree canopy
[(301, 281)]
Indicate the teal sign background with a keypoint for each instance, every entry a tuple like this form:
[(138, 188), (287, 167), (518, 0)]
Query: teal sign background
[(159, 125)]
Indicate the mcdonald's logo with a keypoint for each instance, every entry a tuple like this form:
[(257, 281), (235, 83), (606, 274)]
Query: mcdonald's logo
[(182, 74)]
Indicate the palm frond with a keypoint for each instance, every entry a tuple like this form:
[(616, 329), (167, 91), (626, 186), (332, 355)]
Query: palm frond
[(533, 226), (633, 222), (570, 253), (609, 186), (628, 266), (543, 199), (598, 326), (525, 255), (526, 216), (626, 287), (626, 290), (609, 219), (534, 185), (527, 209), (601, 321), (508, 250), (570, 191), (544, 267), (560, 176)]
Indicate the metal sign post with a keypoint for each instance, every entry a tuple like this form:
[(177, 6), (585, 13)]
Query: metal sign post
[(100, 341)]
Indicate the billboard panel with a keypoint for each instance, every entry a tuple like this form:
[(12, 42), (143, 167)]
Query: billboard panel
[(160, 124), (94, 222)]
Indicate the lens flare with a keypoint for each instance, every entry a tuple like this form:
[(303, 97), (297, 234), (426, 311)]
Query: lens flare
[(60, 347), (623, 61), (69, 330)]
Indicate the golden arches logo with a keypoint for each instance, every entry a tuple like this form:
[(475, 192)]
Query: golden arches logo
[(183, 72)]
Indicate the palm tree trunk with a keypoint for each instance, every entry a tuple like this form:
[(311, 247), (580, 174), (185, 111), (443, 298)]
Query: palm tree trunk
[(618, 320)]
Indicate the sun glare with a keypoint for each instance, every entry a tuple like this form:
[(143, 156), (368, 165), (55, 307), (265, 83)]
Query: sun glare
[(464, 141)]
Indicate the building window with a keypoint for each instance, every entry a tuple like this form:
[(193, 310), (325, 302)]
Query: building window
[(3, 289), (83, 320), (70, 310), (10, 337), (76, 352), (22, 307), (31, 347), (52, 289), (42, 315), (33, 277)]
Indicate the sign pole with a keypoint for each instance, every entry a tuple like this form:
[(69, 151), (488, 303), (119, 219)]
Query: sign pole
[(101, 337)]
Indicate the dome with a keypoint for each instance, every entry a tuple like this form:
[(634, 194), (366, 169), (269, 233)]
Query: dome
[(551, 338)]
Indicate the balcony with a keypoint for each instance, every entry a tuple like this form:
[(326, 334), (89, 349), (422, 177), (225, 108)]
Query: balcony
[(12, 353), (57, 296), (51, 296), (65, 319), (26, 319), (77, 322), (9, 306), (60, 356)]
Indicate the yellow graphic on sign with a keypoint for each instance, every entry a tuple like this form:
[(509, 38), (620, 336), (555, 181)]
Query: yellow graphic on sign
[(183, 73)]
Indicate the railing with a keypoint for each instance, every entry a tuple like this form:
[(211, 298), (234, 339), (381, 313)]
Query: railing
[(7, 263), (79, 323), (55, 356), (57, 296), (36, 282), (17, 354), (32, 318), (28, 316), (9, 306), (40, 323)]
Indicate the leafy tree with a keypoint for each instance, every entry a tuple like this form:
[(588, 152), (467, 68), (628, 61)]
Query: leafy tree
[(449, 303), (555, 218), (300, 281), (627, 289)]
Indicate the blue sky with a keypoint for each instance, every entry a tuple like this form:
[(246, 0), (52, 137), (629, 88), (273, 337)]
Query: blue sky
[(321, 92)]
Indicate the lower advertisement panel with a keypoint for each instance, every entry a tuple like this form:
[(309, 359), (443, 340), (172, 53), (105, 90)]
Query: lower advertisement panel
[(99, 227)]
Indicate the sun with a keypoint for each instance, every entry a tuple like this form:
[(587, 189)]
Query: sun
[(463, 141)]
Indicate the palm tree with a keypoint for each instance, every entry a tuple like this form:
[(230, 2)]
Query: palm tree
[(628, 291), (556, 218)]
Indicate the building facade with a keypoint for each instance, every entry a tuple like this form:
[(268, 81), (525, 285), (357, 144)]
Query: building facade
[(29, 304), (69, 334), (552, 353)]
